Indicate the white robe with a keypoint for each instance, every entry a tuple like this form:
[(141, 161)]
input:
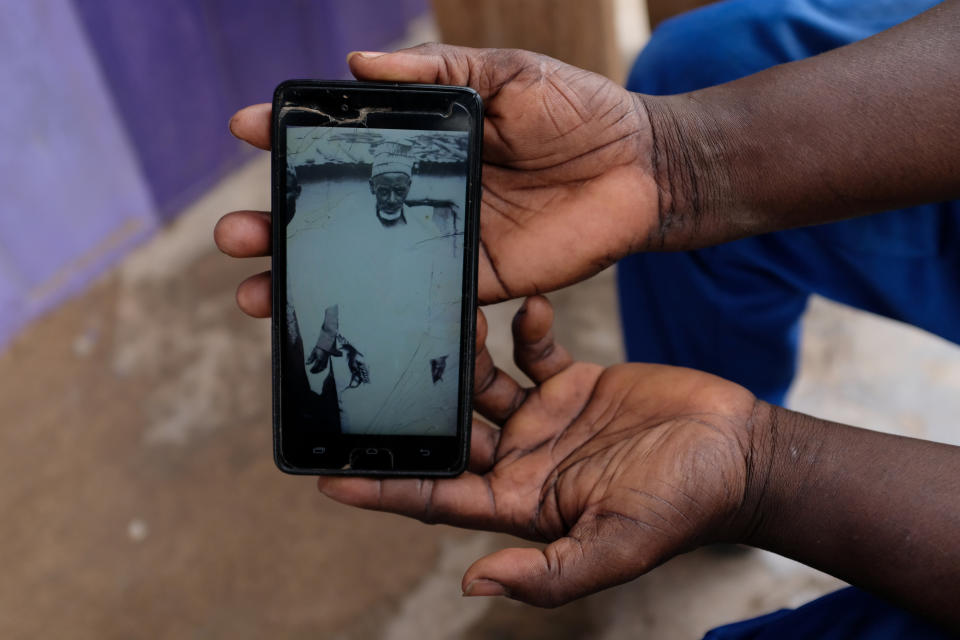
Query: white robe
[(398, 292)]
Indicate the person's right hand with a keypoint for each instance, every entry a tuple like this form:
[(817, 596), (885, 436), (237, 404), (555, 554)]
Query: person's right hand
[(567, 177), (619, 469)]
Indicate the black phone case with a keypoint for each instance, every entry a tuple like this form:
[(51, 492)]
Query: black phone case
[(469, 309)]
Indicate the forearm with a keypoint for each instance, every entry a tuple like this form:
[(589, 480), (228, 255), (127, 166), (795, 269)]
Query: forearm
[(868, 127), (879, 511)]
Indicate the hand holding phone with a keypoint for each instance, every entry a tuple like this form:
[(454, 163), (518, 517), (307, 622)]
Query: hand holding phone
[(569, 184), (374, 267), (569, 181), (569, 187)]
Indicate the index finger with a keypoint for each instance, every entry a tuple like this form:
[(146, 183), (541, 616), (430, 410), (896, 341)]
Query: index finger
[(465, 501), (496, 396), (534, 348), (252, 124)]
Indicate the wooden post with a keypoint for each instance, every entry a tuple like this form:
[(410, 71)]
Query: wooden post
[(583, 33), (660, 10)]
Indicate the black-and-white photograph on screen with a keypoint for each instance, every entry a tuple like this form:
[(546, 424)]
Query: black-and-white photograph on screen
[(374, 236)]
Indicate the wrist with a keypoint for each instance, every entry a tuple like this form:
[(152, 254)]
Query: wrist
[(687, 183), (697, 151), (783, 447), (873, 509)]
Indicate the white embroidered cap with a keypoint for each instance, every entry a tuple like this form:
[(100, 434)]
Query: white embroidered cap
[(389, 158)]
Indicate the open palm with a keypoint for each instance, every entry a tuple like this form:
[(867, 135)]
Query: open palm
[(568, 188), (619, 469)]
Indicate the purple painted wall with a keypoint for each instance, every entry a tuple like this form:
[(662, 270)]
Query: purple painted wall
[(71, 197), (177, 70), (120, 119)]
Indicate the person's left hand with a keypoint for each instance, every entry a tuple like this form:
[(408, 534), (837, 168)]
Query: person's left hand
[(618, 469)]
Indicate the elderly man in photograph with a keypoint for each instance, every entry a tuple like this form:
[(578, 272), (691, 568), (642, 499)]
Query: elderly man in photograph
[(390, 309)]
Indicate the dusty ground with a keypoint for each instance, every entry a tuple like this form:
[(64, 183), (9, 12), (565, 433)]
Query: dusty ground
[(140, 497)]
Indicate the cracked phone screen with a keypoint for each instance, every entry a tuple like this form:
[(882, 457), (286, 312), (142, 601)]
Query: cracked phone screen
[(374, 235)]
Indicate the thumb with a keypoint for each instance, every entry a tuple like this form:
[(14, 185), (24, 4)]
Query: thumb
[(483, 70), (567, 569)]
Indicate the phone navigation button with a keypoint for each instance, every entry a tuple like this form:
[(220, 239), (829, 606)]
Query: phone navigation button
[(371, 459)]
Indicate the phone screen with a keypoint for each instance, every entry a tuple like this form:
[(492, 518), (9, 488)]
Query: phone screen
[(372, 322)]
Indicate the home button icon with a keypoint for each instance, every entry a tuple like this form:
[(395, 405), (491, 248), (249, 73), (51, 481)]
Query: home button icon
[(371, 459)]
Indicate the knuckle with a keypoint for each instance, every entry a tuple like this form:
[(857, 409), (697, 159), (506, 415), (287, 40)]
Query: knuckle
[(537, 354), (520, 58), (443, 73), (542, 350), (519, 397), (484, 382), (430, 47), (428, 513)]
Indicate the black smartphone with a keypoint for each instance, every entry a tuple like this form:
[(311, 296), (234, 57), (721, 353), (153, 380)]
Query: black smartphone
[(376, 197)]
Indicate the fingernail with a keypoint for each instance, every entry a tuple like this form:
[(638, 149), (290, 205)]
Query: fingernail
[(483, 587), (366, 55)]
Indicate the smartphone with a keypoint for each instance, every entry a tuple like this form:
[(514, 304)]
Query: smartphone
[(376, 196)]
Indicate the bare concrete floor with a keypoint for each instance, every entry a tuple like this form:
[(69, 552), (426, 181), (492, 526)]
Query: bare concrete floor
[(140, 497)]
